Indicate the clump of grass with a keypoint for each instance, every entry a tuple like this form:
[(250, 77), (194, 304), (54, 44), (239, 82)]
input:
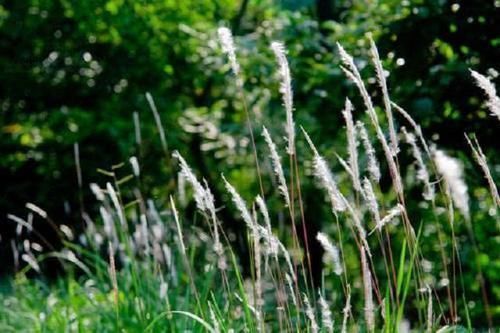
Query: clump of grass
[(163, 274)]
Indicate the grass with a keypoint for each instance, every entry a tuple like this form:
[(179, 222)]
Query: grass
[(142, 268)]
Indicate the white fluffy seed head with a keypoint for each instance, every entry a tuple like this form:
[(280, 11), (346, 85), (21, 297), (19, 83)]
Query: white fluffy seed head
[(368, 290), (325, 177), (422, 173), (392, 214), (277, 167), (323, 174), (484, 83), (310, 315), (36, 209), (371, 200), (240, 205), (227, 44), (387, 103), (481, 160), (135, 165), (289, 283), (271, 243), (452, 172), (286, 92), (373, 165), (331, 250), (352, 144), (202, 194), (326, 314)]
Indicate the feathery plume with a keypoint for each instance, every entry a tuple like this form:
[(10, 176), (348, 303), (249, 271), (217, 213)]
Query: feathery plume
[(429, 310), (373, 166), (202, 195), (96, 190), (387, 103), (112, 272), (394, 212), (286, 92), (353, 73), (277, 167), (484, 83), (135, 166), (288, 258), (416, 128), (213, 319), (227, 44), (272, 245), (371, 200), (481, 160), (331, 250), (452, 172), (422, 173), (116, 203), (368, 289), (240, 204), (36, 209), (323, 174), (290, 287), (346, 310), (352, 144), (326, 315), (310, 315)]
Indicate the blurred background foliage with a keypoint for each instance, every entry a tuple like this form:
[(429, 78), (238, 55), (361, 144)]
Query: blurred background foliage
[(76, 71)]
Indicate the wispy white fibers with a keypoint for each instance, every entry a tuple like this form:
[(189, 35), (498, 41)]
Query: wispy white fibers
[(310, 315), (116, 203), (286, 92), (484, 83), (200, 196), (371, 200), (346, 310), (331, 250), (290, 287), (452, 172), (352, 144), (277, 167), (352, 72), (323, 174), (387, 103), (422, 173), (416, 128), (205, 202), (326, 315), (272, 244), (227, 44), (338, 201), (240, 204), (393, 213), (429, 310), (373, 165), (481, 160), (368, 290)]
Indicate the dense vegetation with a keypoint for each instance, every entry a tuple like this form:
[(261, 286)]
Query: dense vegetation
[(105, 92)]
